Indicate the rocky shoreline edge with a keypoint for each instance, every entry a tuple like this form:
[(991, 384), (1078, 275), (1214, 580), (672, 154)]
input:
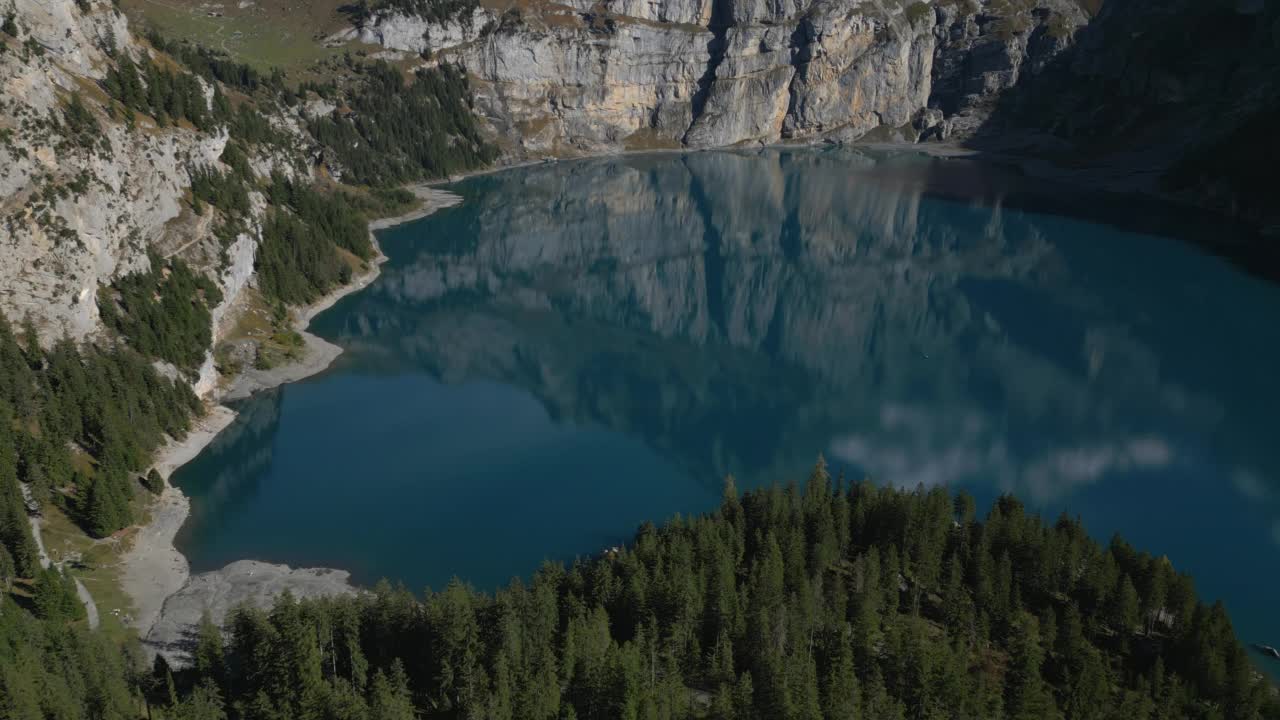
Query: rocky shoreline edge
[(168, 601)]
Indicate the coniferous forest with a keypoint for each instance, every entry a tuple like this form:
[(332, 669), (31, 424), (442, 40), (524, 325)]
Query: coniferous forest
[(831, 602), (401, 131), (164, 312), (84, 422)]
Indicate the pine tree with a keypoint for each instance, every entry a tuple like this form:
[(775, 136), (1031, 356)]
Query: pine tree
[(841, 697), (867, 627), (878, 703), (389, 697), (501, 699), (204, 703), (153, 482), (744, 701), (1088, 689), (1125, 606), (721, 665), (8, 570), (55, 596), (210, 655), (15, 530), (1027, 697)]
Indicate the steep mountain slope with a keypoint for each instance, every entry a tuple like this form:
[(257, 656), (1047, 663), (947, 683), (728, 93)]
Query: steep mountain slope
[(81, 195), (158, 200), (120, 156)]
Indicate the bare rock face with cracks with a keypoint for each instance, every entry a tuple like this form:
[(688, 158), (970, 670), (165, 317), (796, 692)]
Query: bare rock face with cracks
[(586, 77)]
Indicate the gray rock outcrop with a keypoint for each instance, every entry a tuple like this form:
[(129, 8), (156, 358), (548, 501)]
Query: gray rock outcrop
[(79, 210), (72, 217), (244, 583), (587, 77)]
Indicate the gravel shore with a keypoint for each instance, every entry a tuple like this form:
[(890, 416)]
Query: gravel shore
[(153, 567), (155, 573)]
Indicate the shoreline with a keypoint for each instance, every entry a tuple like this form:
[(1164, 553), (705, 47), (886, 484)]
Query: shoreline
[(319, 353), (154, 571), (153, 567)]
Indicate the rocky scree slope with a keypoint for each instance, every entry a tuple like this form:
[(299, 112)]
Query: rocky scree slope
[(592, 76)]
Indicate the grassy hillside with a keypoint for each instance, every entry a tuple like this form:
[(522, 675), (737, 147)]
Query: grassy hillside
[(286, 34)]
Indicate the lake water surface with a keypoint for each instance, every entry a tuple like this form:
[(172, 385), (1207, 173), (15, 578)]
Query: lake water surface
[(584, 346)]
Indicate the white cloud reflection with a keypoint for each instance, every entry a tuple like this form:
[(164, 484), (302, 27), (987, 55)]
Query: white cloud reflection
[(914, 446)]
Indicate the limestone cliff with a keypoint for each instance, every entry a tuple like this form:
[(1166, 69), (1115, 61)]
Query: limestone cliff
[(86, 194), (587, 77), (76, 214)]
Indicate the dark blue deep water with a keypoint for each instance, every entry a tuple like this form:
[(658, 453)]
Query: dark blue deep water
[(584, 346)]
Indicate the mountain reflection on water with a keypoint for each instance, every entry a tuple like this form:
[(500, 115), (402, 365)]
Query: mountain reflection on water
[(918, 321)]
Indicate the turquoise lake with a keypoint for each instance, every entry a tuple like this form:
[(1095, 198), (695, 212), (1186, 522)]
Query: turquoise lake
[(583, 346)]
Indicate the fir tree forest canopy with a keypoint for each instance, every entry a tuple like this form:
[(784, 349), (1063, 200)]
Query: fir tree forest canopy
[(398, 132), (106, 403), (831, 602), (164, 312)]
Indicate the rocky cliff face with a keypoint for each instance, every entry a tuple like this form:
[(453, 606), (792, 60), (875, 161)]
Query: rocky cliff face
[(1183, 91), (589, 76), (74, 214), (84, 194)]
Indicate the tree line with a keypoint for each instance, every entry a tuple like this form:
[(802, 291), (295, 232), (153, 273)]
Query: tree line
[(832, 601), (215, 66), (826, 602), (163, 94), (298, 260)]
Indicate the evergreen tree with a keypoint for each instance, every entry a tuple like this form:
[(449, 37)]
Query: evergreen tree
[(54, 595), (1027, 696), (8, 570), (204, 703), (210, 655), (841, 694), (389, 697), (1125, 605)]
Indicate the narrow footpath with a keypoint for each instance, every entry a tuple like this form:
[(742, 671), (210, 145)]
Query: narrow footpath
[(90, 607)]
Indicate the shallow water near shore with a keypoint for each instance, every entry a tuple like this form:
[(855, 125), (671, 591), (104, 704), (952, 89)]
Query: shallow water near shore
[(584, 346)]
